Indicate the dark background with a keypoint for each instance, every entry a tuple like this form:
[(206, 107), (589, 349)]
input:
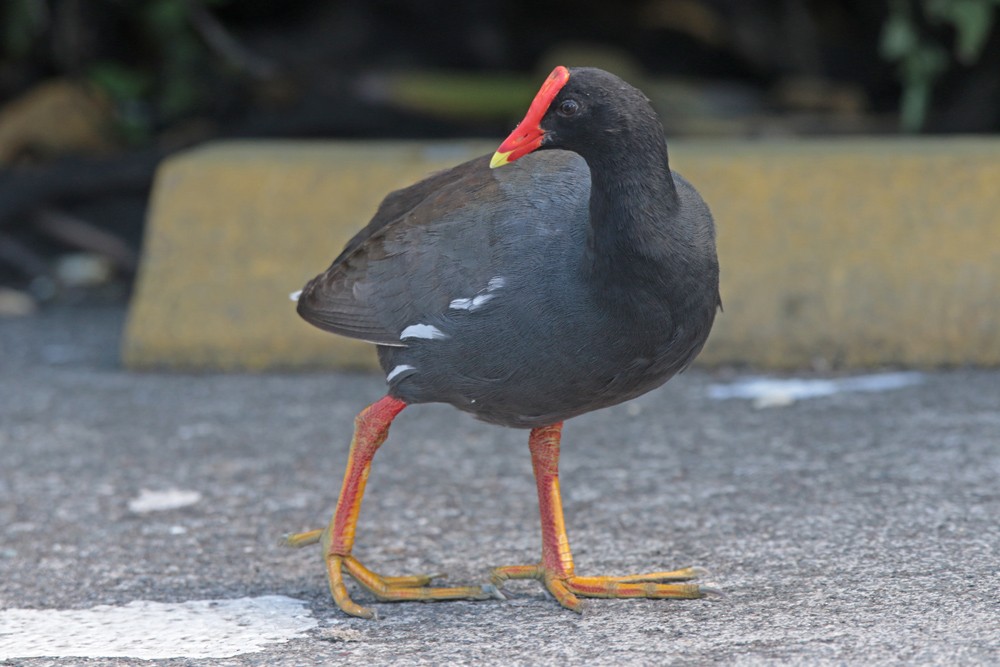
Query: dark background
[(94, 93)]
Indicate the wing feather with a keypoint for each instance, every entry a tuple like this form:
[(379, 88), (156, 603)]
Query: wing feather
[(393, 273), (444, 238)]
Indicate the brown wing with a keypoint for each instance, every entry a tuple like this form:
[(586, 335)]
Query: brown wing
[(407, 262)]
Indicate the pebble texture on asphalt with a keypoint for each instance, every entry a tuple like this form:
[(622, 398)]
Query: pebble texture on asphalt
[(851, 528)]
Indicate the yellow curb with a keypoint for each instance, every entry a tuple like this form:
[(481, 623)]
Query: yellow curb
[(846, 253)]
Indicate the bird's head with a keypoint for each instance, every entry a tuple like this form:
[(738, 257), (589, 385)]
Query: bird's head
[(572, 110)]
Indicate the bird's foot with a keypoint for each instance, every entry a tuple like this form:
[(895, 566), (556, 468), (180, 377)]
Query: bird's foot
[(568, 590), (385, 588), (394, 589)]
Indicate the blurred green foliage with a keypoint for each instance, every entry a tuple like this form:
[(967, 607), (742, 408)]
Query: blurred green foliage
[(921, 57), (169, 84), (161, 61), (22, 22), (156, 69)]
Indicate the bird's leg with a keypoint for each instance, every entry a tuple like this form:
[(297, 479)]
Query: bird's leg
[(556, 569), (371, 427)]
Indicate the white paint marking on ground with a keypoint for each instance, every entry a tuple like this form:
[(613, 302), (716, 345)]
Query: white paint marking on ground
[(161, 501), (774, 392), (155, 630)]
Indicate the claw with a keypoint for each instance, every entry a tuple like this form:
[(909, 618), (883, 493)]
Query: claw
[(711, 590), (495, 592)]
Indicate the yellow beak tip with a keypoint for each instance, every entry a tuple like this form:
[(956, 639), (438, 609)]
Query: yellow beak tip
[(499, 159)]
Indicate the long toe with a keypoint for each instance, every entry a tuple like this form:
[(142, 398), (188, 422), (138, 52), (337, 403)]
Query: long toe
[(568, 590), (407, 581), (611, 587), (395, 588), (681, 574)]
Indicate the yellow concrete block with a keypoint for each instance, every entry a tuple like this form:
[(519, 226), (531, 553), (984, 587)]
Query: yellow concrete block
[(850, 253), (234, 228), (855, 253)]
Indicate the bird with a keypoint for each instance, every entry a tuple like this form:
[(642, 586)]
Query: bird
[(570, 271)]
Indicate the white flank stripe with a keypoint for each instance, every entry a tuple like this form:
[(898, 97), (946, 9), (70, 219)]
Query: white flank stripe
[(161, 501), (397, 370), (428, 331), (480, 300), (294, 296), (470, 304), (154, 630), (483, 297)]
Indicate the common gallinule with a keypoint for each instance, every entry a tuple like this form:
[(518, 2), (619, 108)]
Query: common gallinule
[(574, 280)]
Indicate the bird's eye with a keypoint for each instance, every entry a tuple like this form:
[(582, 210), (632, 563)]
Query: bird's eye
[(568, 108)]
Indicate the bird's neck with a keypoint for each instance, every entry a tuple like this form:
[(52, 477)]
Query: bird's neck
[(632, 197)]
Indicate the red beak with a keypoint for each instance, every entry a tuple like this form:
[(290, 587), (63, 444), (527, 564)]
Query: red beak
[(528, 134)]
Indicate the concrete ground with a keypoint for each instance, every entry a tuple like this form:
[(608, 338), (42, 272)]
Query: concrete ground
[(857, 528)]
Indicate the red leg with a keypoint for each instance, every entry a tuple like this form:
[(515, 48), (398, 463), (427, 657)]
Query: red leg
[(544, 446), (556, 570), (371, 428)]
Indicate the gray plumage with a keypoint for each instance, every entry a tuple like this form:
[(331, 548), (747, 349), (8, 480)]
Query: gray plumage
[(559, 284)]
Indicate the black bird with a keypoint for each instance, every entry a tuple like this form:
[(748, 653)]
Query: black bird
[(580, 277)]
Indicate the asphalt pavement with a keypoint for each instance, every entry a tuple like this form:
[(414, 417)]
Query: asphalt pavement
[(855, 528)]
